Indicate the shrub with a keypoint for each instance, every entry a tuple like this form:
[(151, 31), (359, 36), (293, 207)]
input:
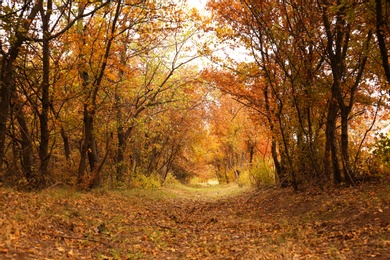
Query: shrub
[(382, 149), (139, 180), (245, 178), (171, 179), (262, 174)]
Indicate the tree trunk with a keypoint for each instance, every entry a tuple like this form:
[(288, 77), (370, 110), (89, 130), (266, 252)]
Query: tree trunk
[(331, 163), (89, 148), (251, 150), (121, 133), (6, 89), (90, 111), (93, 155), (27, 148), (44, 115), (65, 139), (381, 36), (83, 151), (120, 160), (345, 149), (281, 174), (278, 167)]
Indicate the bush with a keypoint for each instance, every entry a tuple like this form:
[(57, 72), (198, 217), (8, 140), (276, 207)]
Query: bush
[(145, 182), (171, 179), (382, 149), (245, 178), (262, 174)]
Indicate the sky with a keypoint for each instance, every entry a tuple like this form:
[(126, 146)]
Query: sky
[(200, 4)]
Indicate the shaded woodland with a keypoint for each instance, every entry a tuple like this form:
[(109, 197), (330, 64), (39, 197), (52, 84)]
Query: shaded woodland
[(127, 92)]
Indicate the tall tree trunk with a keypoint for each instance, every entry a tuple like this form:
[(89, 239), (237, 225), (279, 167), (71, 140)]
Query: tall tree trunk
[(287, 153), (281, 174), (65, 139), (251, 150), (381, 36), (331, 162), (93, 155), (84, 76), (88, 149), (120, 160), (336, 50), (121, 133), (27, 147), (278, 167), (6, 82), (90, 146), (44, 115), (345, 149)]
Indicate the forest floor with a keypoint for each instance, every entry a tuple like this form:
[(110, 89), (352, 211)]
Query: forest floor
[(180, 222)]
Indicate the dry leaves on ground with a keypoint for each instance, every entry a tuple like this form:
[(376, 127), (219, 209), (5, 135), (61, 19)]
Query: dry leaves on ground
[(179, 223)]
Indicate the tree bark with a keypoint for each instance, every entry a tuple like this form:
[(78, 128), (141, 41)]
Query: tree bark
[(331, 162), (88, 149), (27, 148), (381, 36), (122, 135), (7, 88), (65, 139), (44, 115), (345, 149)]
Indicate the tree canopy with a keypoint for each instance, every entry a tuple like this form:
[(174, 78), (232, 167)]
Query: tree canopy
[(112, 92)]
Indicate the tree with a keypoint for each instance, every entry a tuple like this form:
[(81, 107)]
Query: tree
[(30, 30), (147, 77), (347, 72), (307, 56), (10, 44)]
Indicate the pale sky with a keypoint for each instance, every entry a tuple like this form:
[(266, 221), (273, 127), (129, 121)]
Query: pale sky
[(199, 4)]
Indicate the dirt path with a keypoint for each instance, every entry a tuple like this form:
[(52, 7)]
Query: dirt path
[(187, 223)]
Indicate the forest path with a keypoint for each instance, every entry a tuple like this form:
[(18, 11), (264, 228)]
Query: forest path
[(208, 191), (180, 222)]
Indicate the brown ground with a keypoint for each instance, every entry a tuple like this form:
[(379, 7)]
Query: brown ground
[(187, 223)]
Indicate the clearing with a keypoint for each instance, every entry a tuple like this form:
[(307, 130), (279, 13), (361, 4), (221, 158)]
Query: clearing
[(181, 222)]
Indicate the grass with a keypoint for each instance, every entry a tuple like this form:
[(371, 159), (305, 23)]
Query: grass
[(180, 191), (210, 192)]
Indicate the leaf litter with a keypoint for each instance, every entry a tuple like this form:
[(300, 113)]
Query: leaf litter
[(346, 223)]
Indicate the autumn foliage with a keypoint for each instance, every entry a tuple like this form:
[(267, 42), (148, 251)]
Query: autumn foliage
[(97, 92), (147, 129), (113, 92), (314, 75)]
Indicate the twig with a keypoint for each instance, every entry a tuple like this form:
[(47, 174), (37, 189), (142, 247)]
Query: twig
[(55, 184)]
